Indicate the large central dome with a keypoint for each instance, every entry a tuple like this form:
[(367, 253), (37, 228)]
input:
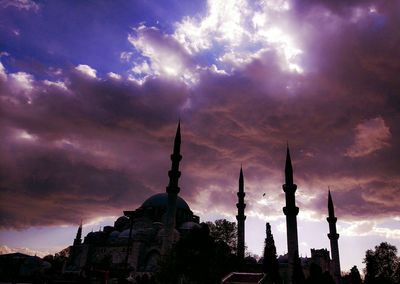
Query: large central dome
[(161, 200)]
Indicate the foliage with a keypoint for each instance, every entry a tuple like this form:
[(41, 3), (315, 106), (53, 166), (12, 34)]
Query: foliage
[(57, 261), (270, 261), (353, 277), (225, 231), (318, 277), (382, 265), (197, 258)]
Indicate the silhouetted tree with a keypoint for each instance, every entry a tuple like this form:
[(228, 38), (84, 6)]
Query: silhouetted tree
[(354, 276), (197, 258), (57, 261), (224, 230), (382, 265), (270, 261), (318, 277), (315, 276)]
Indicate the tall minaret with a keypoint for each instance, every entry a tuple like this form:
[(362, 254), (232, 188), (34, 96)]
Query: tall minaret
[(240, 217), (172, 190), (78, 238), (291, 212), (333, 237)]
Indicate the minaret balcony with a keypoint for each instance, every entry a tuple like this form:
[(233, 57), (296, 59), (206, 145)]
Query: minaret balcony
[(289, 188), (241, 205), (291, 211), (240, 217), (331, 219), (333, 236)]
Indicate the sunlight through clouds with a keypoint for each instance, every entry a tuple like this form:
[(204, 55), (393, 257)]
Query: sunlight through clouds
[(245, 77), (162, 56), (236, 28), (229, 36)]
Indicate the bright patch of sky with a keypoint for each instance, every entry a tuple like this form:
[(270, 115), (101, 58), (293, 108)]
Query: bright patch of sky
[(227, 36)]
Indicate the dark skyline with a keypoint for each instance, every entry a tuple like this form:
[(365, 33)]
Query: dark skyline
[(90, 95)]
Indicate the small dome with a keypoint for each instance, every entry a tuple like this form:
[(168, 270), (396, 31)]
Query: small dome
[(121, 223), (161, 200), (95, 237), (108, 229)]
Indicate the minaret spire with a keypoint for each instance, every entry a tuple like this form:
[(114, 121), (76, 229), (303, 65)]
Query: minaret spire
[(331, 210), (240, 217), (291, 211), (333, 237), (174, 174), (172, 190), (288, 168)]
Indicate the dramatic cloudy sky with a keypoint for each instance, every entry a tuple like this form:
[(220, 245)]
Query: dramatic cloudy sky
[(91, 92)]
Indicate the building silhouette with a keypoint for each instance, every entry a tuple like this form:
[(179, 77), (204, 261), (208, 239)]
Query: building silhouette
[(333, 237), (138, 239), (172, 191), (291, 211)]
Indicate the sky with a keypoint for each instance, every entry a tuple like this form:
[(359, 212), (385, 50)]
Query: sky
[(91, 93)]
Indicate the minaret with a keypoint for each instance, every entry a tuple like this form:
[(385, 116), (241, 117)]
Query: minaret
[(172, 190), (291, 212), (240, 217), (333, 237), (78, 238)]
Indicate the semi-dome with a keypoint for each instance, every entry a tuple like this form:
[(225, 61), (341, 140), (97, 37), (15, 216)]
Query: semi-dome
[(161, 200)]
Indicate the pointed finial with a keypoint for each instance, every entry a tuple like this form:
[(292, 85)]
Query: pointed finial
[(177, 142), (241, 180), (288, 167), (331, 210)]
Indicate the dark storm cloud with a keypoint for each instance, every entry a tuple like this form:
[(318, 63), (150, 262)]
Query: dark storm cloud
[(101, 146), (44, 186), (74, 148)]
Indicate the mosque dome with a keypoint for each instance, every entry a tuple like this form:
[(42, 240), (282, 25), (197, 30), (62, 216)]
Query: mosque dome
[(161, 200), (95, 237), (121, 223)]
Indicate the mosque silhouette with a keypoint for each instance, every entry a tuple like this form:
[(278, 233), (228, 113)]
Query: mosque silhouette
[(139, 238)]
